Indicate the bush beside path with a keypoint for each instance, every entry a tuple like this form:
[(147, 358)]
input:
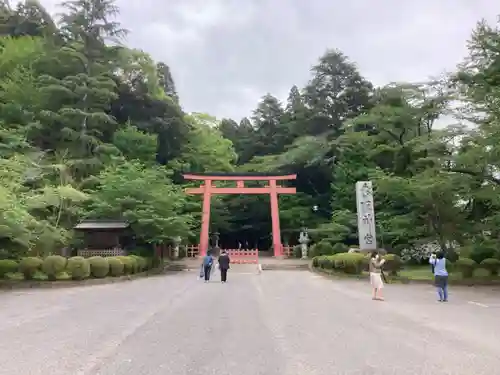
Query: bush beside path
[(464, 271), (56, 271)]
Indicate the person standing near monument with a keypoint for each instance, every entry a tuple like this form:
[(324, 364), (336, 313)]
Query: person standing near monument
[(375, 269), (224, 262), (438, 262)]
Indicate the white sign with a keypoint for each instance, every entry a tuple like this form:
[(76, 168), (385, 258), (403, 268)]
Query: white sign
[(366, 216)]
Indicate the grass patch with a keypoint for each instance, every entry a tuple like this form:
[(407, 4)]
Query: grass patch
[(423, 274)]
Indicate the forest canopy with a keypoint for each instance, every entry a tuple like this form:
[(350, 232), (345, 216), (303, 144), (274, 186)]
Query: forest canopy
[(102, 134)]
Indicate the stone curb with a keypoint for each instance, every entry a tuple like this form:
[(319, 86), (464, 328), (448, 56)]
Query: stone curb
[(7, 285), (285, 267), (472, 282)]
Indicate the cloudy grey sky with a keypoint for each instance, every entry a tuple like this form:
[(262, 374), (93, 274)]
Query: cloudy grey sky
[(226, 54)]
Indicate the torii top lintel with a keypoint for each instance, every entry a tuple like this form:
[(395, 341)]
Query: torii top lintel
[(238, 176)]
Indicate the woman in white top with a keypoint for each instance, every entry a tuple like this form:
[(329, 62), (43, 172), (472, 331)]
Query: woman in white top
[(375, 269)]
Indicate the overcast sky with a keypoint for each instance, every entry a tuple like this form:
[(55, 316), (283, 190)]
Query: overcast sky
[(226, 54)]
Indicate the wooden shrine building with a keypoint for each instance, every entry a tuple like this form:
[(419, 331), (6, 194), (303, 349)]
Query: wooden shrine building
[(104, 237)]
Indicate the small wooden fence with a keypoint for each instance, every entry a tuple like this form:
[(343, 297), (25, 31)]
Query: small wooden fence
[(87, 253), (193, 251), (243, 256)]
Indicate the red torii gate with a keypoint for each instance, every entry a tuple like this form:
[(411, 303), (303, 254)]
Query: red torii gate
[(207, 189)]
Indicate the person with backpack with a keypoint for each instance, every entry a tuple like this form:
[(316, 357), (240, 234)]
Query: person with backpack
[(207, 266), (224, 262), (438, 261)]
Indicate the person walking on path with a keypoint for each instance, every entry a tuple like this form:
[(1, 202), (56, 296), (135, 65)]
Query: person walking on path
[(224, 262), (207, 266), (375, 268), (438, 261)]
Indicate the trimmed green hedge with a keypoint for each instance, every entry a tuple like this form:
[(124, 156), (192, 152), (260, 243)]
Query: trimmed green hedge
[(466, 266), (393, 264), (55, 267), (321, 248), (116, 267), (355, 263), (8, 266), (142, 263), (29, 266), (492, 265), (99, 266), (129, 264), (340, 248), (79, 268)]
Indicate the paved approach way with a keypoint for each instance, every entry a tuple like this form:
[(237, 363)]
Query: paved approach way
[(279, 322)]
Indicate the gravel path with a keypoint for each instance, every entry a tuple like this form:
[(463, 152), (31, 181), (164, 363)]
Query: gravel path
[(276, 323)]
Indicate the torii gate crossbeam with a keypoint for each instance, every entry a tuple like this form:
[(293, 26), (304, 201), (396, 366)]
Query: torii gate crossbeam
[(208, 189)]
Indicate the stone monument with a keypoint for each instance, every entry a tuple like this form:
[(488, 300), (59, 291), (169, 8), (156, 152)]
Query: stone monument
[(177, 241), (304, 240), (366, 216)]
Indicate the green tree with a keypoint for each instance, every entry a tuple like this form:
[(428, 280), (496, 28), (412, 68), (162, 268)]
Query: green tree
[(145, 197), (136, 145)]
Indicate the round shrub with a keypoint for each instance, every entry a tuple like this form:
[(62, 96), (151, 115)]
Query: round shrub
[(52, 265), (29, 265), (328, 262), (492, 265), (63, 276), (323, 262), (351, 263), (482, 252), (142, 264), (340, 247), (7, 266), (40, 276), (79, 268), (129, 264), (16, 276), (321, 248), (393, 264), (338, 262), (466, 266), (320, 261), (116, 267), (99, 266)]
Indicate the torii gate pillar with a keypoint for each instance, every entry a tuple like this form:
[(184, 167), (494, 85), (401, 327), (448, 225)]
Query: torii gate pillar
[(275, 219), (205, 217), (208, 188)]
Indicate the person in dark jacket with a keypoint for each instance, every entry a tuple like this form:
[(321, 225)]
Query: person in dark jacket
[(207, 266), (224, 262)]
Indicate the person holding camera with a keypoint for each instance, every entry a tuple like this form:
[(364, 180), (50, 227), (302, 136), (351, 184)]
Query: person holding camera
[(438, 261), (375, 268)]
